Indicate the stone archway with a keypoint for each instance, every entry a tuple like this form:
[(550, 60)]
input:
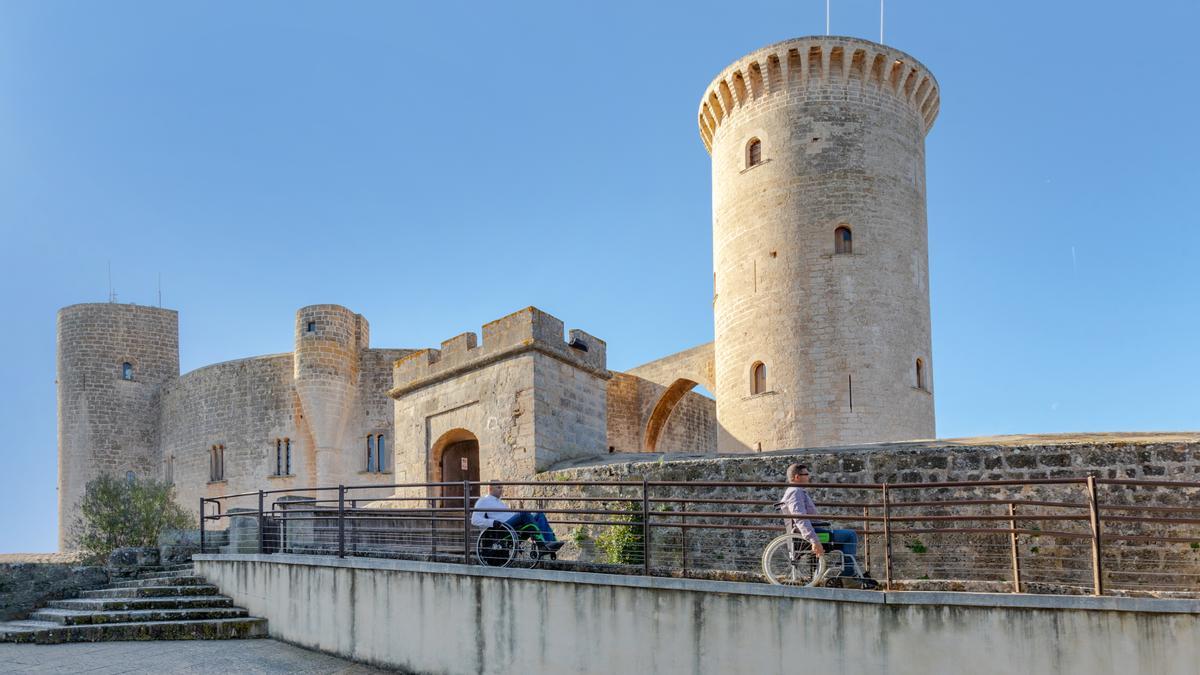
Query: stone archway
[(662, 411), (455, 458)]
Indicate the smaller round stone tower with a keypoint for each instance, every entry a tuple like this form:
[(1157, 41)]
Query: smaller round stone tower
[(820, 252), (329, 341), (112, 361)]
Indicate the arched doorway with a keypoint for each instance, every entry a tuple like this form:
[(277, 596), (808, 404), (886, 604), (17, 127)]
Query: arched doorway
[(455, 458)]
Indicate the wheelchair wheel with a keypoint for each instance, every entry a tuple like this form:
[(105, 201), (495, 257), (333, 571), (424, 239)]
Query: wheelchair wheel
[(789, 560), (497, 546)]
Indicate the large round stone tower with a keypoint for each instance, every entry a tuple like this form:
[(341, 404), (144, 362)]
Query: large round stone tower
[(820, 255), (329, 339), (112, 362)]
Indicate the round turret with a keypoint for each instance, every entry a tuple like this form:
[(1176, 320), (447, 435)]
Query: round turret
[(821, 295), (329, 339), (112, 361)]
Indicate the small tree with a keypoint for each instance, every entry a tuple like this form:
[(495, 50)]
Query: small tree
[(116, 513)]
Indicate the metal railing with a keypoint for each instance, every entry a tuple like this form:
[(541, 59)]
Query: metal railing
[(1061, 535)]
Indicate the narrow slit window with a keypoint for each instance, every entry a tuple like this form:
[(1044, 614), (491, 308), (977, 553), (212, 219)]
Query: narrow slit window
[(754, 153), (380, 456), (127, 371), (370, 453), (758, 378), (843, 240), (287, 456), (920, 374), (278, 457), (216, 463)]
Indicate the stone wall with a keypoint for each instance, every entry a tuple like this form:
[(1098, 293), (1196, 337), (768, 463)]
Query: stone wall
[(106, 423), (841, 123), (1062, 563), (528, 397), (691, 420), (246, 405), (26, 586), (695, 364)]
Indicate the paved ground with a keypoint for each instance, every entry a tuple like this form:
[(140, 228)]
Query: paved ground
[(180, 656)]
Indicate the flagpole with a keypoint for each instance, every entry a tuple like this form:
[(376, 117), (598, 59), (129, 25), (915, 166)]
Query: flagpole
[(827, 17), (880, 21)]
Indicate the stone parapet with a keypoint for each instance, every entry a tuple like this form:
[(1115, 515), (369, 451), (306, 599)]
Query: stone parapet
[(816, 66), (528, 330)]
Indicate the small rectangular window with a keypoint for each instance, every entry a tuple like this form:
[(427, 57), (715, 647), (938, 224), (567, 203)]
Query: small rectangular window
[(311, 327)]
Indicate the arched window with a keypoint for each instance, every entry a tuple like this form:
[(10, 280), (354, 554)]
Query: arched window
[(758, 378), (843, 240), (287, 456), (278, 456), (920, 374), (127, 371), (380, 455), (370, 452), (754, 153)]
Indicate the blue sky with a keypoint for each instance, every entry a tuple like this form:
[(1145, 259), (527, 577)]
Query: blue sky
[(437, 165)]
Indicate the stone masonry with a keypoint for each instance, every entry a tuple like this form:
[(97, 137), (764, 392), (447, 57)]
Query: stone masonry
[(840, 124), (529, 398), (322, 401)]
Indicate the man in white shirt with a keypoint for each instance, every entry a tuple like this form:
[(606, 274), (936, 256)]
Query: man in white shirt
[(490, 510)]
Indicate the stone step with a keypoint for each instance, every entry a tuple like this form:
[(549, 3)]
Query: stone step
[(123, 604), (73, 617), (179, 580), (176, 571), (150, 591), (44, 632)]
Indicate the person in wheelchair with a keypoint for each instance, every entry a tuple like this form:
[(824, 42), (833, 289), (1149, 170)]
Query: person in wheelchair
[(490, 510), (797, 502)]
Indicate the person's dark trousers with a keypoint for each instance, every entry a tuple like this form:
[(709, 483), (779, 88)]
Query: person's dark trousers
[(538, 520), (845, 541)]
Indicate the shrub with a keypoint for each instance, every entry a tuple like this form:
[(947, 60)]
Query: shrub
[(623, 544), (116, 513)]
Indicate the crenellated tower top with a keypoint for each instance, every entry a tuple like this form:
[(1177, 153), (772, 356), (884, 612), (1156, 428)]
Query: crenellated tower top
[(817, 65)]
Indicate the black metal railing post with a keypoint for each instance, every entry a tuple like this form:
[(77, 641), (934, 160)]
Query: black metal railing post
[(645, 527), (202, 524), (341, 521), (262, 531), (466, 498), (1094, 512)]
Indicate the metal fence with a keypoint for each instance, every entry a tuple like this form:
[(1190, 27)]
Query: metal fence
[(1069, 535)]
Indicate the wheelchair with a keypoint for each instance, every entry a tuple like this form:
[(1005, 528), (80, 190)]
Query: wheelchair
[(502, 546), (789, 559)]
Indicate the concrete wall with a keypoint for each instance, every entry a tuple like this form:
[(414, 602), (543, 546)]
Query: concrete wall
[(842, 124), (438, 618)]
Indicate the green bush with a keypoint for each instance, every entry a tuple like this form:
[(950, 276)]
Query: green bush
[(623, 544), (117, 513)]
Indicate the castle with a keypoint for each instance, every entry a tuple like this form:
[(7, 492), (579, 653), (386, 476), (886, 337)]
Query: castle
[(821, 329)]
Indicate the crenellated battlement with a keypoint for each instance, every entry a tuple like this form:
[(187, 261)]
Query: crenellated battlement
[(529, 329), (809, 63)]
